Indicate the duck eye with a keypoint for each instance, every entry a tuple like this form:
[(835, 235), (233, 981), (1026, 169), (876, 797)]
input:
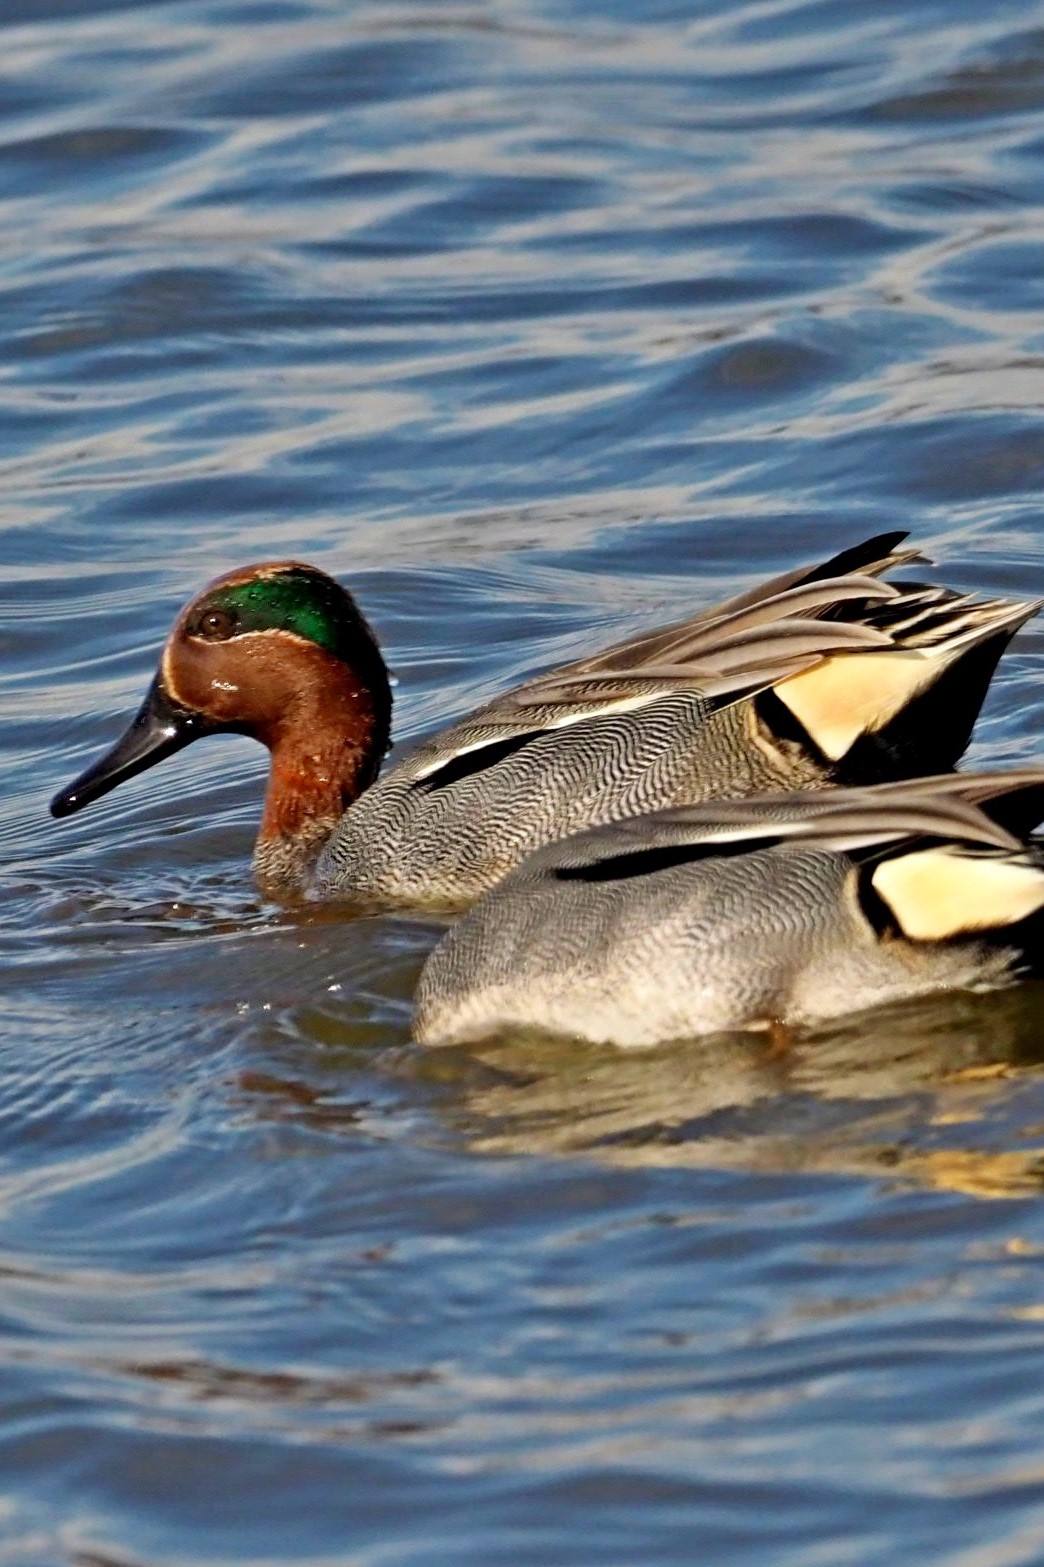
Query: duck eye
[(215, 625)]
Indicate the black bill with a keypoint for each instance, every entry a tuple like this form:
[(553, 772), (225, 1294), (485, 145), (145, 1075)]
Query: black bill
[(159, 729)]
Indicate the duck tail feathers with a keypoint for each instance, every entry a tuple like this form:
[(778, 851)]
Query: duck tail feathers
[(913, 705)]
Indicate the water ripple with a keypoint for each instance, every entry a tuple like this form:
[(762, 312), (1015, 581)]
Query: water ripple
[(535, 324)]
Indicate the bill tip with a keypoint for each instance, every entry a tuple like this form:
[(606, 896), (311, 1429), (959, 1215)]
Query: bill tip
[(65, 802)]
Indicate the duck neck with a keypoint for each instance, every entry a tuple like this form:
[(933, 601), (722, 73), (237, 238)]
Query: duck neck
[(324, 754)]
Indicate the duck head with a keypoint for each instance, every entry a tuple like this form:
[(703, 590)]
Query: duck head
[(278, 651)]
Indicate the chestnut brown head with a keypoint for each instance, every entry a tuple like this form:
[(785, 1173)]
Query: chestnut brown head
[(274, 651)]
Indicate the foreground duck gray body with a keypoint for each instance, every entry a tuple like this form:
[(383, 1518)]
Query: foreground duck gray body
[(782, 909), (824, 675)]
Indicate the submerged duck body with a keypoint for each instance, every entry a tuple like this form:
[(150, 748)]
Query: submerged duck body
[(786, 908), (825, 675)]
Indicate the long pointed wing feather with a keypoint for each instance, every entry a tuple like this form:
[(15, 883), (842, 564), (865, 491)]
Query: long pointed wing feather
[(871, 558), (845, 820), (688, 639), (728, 661), (723, 654), (781, 629)]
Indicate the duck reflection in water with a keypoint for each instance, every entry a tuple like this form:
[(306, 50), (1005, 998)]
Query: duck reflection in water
[(944, 1092)]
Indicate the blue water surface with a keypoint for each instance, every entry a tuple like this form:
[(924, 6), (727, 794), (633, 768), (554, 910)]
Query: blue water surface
[(535, 321)]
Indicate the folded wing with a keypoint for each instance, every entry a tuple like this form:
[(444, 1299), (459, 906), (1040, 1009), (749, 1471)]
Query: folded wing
[(843, 651)]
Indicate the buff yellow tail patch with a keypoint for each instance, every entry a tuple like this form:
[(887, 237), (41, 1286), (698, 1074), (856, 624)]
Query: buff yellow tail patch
[(854, 694), (938, 893)]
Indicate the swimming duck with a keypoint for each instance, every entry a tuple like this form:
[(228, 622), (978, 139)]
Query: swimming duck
[(779, 909), (821, 676)]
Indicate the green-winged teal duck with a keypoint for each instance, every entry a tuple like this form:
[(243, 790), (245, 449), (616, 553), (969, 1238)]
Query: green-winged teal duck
[(779, 909), (822, 676)]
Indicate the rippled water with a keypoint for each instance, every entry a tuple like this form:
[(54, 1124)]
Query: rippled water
[(534, 322)]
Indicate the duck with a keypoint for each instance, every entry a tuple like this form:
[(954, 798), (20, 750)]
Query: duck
[(775, 912), (822, 676)]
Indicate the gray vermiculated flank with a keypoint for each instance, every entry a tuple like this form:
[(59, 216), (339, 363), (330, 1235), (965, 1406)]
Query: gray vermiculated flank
[(714, 945), (755, 931), (449, 843)]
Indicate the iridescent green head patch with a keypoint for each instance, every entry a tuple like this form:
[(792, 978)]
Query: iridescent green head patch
[(298, 599)]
